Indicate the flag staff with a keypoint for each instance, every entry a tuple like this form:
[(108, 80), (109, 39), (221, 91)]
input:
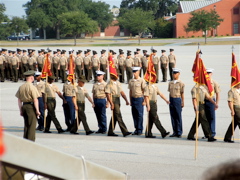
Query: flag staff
[(232, 115)]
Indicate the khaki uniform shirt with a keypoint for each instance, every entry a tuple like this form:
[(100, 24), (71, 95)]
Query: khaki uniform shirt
[(2, 59), (27, 92), (156, 60), (87, 60), (95, 61), (137, 62), (234, 96), (19, 56), (31, 60), (176, 89), (98, 90), (172, 58), (55, 60), (121, 61), (138, 87), (103, 60), (14, 61), (153, 92), (144, 61), (24, 59), (216, 88), (81, 93), (9, 59), (40, 59), (164, 60), (40, 87), (79, 60), (51, 90), (69, 89), (129, 62), (63, 61), (114, 88), (203, 94), (6, 58)]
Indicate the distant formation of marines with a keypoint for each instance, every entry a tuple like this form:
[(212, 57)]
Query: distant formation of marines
[(34, 98)]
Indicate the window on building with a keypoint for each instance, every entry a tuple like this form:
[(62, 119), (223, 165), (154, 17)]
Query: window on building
[(236, 11), (235, 28)]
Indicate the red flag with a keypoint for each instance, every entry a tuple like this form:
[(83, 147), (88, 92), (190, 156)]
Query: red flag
[(235, 74), (112, 68), (2, 147), (46, 71), (71, 70), (150, 75), (200, 74)]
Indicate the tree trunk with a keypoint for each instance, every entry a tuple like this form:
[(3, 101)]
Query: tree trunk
[(58, 33), (139, 38), (205, 37), (44, 34), (17, 39), (75, 40)]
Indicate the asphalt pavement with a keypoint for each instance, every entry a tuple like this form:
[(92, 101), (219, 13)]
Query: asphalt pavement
[(140, 157)]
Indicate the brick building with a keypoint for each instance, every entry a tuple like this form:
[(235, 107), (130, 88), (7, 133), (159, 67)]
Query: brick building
[(228, 10)]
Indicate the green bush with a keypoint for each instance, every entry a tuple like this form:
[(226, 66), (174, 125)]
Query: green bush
[(163, 29), (193, 36)]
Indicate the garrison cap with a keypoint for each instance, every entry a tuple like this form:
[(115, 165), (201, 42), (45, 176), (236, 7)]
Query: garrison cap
[(94, 52), (39, 51), (138, 49), (154, 50), (135, 69), (144, 51), (13, 52), (42, 50), (82, 79), (121, 52), (111, 51), (176, 70), (102, 52), (100, 73), (163, 51), (29, 73), (88, 50), (24, 50), (4, 49), (128, 51), (70, 52), (18, 50), (114, 53), (209, 70), (85, 52), (135, 52), (9, 51), (129, 54), (51, 77), (54, 52), (58, 50), (49, 50), (79, 51), (171, 50)]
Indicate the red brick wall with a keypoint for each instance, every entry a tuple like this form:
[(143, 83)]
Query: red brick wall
[(112, 30), (225, 10)]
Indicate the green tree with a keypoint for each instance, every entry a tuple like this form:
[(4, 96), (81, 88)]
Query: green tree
[(92, 27), (100, 12), (163, 28), (159, 8), (38, 19), (4, 28), (74, 23), (203, 21), (137, 21)]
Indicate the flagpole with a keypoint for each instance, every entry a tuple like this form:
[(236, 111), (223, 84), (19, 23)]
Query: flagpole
[(197, 119), (232, 116), (45, 96)]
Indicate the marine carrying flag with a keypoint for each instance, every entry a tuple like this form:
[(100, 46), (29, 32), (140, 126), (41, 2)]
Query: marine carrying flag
[(235, 74), (150, 75), (46, 71), (71, 70), (200, 74), (112, 68)]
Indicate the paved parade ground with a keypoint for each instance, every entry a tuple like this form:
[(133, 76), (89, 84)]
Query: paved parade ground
[(140, 157)]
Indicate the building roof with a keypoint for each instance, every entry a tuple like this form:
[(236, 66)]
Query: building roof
[(189, 6)]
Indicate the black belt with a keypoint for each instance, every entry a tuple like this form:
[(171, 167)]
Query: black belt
[(27, 103)]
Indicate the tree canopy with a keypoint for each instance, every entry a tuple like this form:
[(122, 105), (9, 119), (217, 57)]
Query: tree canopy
[(137, 21), (76, 22), (49, 12), (203, 21)]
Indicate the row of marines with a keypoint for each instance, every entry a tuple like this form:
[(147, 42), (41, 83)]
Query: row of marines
[(140, 94), (14, 63)]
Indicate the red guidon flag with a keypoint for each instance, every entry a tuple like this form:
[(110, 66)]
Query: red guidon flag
[(200, 74), (71, 70), (112, 68), (150, 75), (2, 147), (46, 71), (235, 74)]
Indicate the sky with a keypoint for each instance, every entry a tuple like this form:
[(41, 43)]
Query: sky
[(14, 7)]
